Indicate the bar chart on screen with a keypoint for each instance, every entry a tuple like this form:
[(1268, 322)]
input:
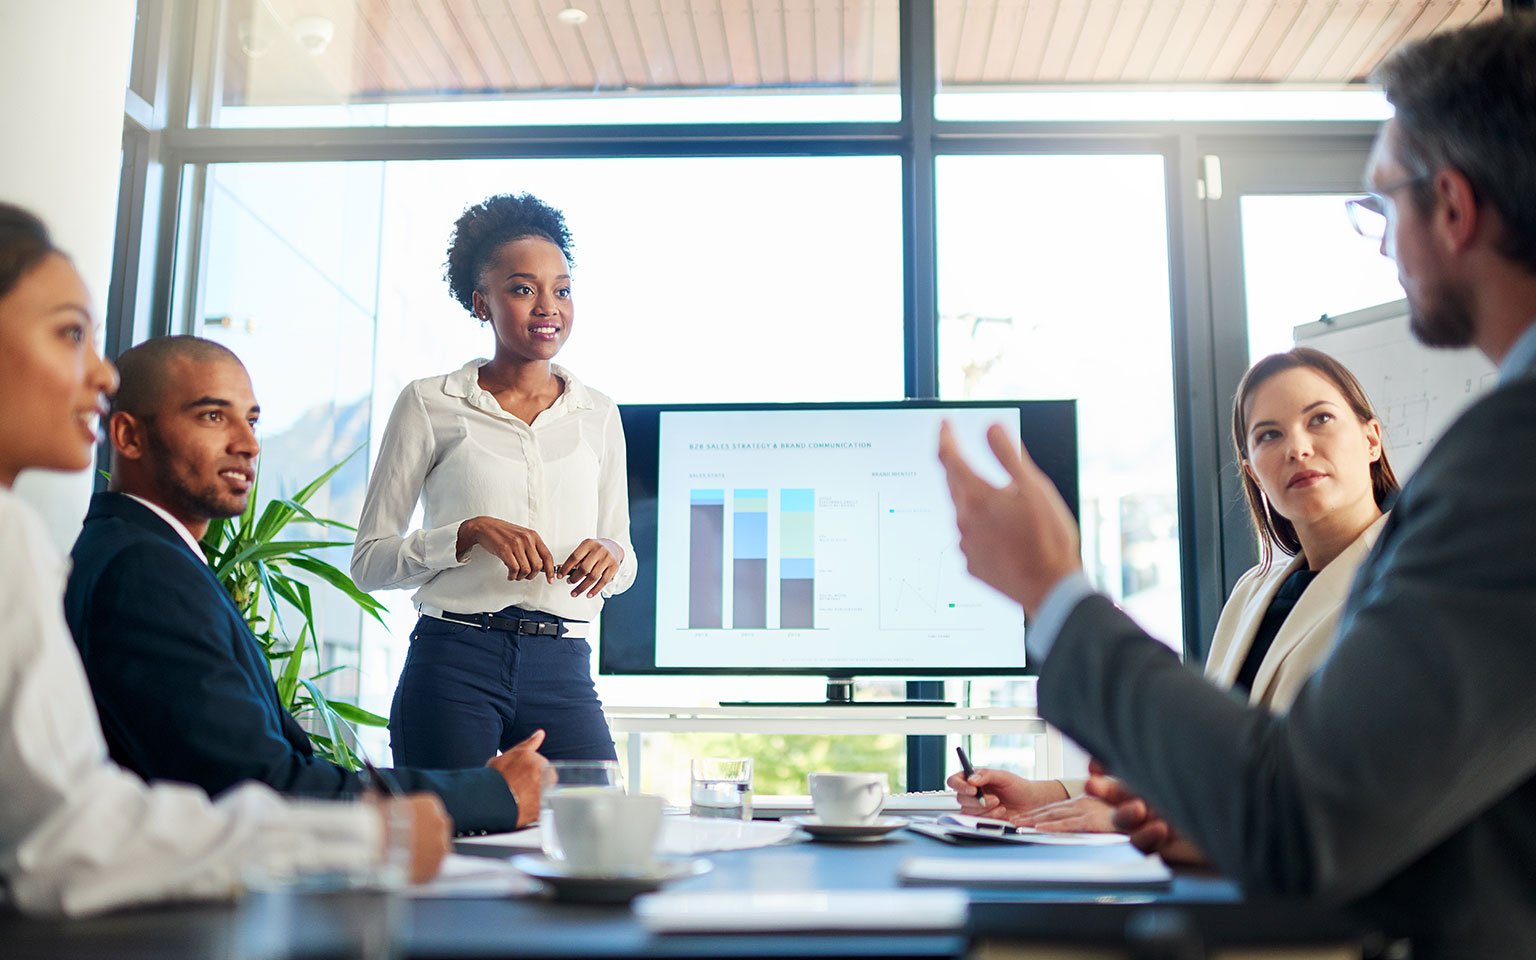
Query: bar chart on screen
[(811, 538)]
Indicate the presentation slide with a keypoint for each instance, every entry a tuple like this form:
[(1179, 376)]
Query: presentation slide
[(801, 539)]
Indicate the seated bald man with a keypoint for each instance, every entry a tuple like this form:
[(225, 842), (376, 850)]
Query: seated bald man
[(181, 683)]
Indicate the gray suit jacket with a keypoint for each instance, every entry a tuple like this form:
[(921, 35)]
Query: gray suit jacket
[(1403, 779)]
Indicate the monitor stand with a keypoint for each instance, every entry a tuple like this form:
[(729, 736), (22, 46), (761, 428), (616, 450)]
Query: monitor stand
[(839, 694)]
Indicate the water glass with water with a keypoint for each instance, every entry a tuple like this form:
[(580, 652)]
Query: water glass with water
[(562, 776), (722, 788)]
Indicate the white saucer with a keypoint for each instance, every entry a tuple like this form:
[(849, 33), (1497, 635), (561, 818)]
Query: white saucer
[(587, 888), (848, 832)]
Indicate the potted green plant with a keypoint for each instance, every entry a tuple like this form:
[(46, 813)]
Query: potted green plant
[(259, 571)]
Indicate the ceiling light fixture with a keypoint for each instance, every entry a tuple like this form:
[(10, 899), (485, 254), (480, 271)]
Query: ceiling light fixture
[(572, 17)]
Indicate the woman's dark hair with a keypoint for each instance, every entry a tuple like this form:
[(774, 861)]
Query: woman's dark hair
[(1273, 529), (24, 243), (485, 227)]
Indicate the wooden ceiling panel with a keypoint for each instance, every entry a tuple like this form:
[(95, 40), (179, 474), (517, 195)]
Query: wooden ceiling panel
[(1242, 33), (470, 26), (1066, 28), (799, 42), (740, 37), (885, 44), (1093, 32), (968, 63), (772, 53), (623, 38), (1342, 18), (417, 49), (1148, 42), (1375, 17), (1186, 29), (1279, 17), (710, 40), (1304, 20), (655, 42), (1033, 40), (1215, 33), (827, 41), (468, 70), (1120, 40), (682, 29), (858, 47)]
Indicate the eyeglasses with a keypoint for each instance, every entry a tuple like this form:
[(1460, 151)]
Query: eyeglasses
[(1368, 214)]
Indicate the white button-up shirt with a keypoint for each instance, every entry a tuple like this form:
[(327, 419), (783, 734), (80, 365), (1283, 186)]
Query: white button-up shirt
[(450, 446), (79, 834)]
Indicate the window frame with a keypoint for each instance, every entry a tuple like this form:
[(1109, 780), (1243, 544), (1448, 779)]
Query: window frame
[(159, 244)]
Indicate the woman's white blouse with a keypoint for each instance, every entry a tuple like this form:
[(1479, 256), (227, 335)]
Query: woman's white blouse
[(450, 446), (79, 834)]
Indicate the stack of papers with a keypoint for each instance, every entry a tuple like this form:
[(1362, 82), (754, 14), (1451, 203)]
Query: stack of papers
[(1130, 871), (738, 912), (467, 877)]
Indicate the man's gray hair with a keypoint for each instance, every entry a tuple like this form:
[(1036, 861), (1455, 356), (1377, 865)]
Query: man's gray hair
[(1466, 99)]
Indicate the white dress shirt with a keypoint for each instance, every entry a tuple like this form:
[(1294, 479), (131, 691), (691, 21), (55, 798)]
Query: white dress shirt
[(79, 834), (452, 447)]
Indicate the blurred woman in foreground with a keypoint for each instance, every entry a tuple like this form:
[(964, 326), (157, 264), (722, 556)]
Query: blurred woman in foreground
[(78, 834)]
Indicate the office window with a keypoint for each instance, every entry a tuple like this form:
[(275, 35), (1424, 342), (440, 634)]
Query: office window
[(1053, 283), (1287, 239), (519, 62), (327, 280)]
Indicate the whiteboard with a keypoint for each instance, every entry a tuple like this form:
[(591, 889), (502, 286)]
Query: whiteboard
[(1417, 391)]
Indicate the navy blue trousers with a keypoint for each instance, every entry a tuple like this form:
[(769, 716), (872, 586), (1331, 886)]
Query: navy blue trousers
[(465, 693)]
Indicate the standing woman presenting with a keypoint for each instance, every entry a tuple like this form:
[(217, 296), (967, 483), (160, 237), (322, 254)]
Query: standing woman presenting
[(520, 471)]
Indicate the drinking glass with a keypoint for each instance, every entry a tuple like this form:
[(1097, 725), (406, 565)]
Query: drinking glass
[(722, 788), (565, 775)]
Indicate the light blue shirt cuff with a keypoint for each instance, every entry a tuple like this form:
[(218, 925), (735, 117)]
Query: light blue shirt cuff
[(1041, 633)]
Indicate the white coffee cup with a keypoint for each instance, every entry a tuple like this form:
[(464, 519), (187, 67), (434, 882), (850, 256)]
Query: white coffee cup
[(848, 798), (607, 833)]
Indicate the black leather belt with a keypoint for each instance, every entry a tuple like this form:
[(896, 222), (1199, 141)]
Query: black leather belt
[(521, 626)]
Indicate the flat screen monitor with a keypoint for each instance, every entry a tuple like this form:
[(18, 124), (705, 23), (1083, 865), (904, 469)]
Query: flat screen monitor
[(816, 539)]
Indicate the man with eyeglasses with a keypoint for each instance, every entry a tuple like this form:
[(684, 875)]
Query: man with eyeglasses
[(1403, 780)]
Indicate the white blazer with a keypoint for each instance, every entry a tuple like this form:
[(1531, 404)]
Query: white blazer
[(1305, 637)]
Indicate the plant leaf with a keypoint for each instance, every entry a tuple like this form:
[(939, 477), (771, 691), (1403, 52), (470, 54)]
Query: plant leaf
[(342, 582), (277, 548), (352, 713), (288, 683)]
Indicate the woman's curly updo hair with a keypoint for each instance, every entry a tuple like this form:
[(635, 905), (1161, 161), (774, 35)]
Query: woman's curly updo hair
[(490, 224)]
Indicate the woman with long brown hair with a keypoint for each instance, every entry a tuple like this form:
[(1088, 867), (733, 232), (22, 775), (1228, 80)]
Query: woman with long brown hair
[(1317, 482)]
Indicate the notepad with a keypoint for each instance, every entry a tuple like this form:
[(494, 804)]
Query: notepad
[(897, 804), (959, 828), (741, 912), (1128, 871)]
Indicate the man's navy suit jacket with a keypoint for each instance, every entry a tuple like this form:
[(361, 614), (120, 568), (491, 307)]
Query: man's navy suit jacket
[(182, 685)]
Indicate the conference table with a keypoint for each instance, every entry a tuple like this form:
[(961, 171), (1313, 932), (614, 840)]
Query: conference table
[(1196, 908)]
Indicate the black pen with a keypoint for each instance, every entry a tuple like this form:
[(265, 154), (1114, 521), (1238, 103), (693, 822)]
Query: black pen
[(970, 771), (378, 782)]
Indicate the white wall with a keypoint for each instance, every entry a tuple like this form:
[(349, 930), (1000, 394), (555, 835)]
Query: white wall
[(63, 74)]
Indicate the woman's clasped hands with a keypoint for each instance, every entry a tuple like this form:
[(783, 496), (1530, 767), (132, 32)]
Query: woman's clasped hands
[(591, 566)]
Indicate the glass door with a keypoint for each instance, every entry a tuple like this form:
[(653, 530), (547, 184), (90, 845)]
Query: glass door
[(1282, 253)]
